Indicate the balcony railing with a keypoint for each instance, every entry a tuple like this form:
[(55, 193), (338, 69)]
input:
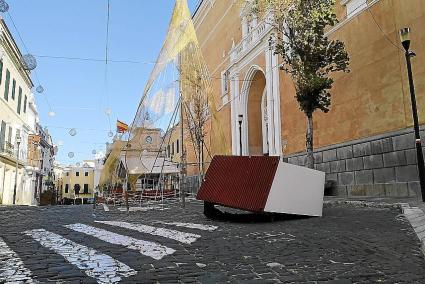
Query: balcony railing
[(9, 149), (251, 40)]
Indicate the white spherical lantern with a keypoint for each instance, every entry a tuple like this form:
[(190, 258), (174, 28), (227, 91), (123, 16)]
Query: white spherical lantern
[(4, 7), (73, 132)]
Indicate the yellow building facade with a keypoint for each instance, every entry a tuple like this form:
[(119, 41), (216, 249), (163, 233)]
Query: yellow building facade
[(78, 183), (365, 143)]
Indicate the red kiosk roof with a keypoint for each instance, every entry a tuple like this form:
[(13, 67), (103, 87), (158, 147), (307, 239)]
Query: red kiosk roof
[(239, 182)]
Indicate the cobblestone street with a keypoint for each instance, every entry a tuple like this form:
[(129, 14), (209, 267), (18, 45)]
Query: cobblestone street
[(73, 245)]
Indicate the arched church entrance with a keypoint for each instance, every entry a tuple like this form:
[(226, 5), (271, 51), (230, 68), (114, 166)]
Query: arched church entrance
[(256, 113)]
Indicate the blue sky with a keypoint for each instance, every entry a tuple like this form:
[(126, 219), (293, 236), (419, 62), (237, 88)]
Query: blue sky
[(76, 89)]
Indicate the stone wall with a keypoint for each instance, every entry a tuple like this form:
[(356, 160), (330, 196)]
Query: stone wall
[(384, 165)]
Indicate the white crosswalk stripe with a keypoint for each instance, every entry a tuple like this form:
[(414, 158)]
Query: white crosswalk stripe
[(97, 265), (186, 238), (190, 225), (151, 249), (12, 269), (102, 267)]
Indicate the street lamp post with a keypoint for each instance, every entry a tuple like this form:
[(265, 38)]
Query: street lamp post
[(240, 120), (18, 142), (405, 41)]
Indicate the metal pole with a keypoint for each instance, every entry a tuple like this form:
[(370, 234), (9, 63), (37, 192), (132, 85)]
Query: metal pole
[(240, 138), (16, 175), (421, 166), (183, 158)]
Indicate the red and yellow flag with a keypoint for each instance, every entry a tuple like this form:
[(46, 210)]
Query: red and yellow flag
[(121, 127)]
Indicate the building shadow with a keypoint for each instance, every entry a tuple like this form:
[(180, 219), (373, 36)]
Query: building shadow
[(240, 216)]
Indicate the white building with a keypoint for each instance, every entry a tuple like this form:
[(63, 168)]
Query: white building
[(24, 145), (33, 168), (15, 89), (98, 168), (48, 152)]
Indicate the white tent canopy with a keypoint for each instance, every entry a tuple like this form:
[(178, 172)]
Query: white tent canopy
[(148, 165)]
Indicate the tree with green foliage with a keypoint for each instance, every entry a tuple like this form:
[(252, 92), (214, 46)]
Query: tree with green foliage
[(308, 55)]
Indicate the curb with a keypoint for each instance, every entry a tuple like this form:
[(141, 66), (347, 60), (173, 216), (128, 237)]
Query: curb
[(359, 203), (416, 218)]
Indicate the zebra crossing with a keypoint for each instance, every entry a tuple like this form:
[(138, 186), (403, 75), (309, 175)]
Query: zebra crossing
[(93, 263), (186, 238), (12, 268)]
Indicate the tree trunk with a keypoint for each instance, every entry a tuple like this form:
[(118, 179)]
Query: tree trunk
[(309, 142), (198, 142)]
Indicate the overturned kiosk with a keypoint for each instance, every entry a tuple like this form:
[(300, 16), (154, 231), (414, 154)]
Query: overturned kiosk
[(263, 184)]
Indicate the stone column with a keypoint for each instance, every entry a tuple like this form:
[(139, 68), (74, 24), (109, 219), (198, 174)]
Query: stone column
[(277, 125), (234, 98), (270, 100)]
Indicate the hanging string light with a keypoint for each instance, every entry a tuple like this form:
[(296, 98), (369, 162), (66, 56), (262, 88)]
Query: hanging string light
[(108, 111), (40, 89), (111, 134), (73, 132), (4, 7), (94, 152), (28, 62), (78, 164), (71, 155)]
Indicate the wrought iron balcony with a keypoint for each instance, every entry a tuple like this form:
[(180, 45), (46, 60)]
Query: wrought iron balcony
[(9, 149)]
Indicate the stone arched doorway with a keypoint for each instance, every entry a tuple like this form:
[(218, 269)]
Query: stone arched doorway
[(255, 106)]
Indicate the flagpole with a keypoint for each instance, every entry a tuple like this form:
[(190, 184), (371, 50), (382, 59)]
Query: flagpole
[(123, 128)]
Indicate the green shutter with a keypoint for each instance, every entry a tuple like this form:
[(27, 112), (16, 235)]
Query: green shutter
[(1, 71), (13, 89), (2, 135), (25, 104), (19, 100), (6, 87)]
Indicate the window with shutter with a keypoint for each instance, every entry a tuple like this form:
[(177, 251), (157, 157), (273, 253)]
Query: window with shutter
[(25, 104), (9, 137), (2, 135), (6, 86), (13, 88), (19, 100), (1, 71)]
